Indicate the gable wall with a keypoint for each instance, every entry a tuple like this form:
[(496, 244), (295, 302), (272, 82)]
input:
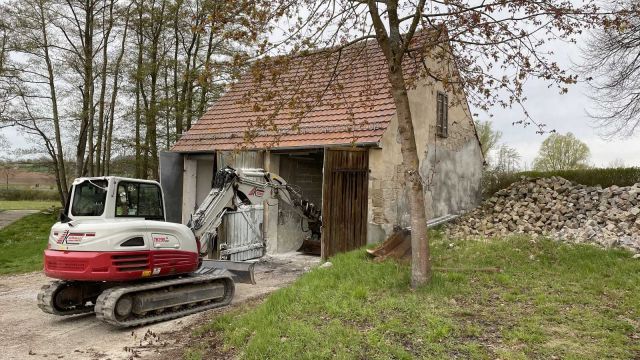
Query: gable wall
[(451, 167)]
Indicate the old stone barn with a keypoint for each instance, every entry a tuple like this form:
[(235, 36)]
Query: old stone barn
[(326, 123)]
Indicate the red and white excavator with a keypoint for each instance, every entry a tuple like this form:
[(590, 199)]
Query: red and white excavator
[(114, 254)]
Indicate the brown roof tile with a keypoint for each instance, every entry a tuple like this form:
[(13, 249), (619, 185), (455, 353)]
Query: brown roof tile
[(328, 98)]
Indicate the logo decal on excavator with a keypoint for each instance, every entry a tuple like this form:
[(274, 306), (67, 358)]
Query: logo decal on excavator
[(72, 238), (160, 239), (256, 192), (62, 237)]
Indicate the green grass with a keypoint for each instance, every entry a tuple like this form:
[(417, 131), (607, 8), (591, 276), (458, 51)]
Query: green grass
[(22, 243), (550, 301), (27, 204)]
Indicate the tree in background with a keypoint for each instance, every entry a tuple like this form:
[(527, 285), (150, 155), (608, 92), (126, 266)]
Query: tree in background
[(562, 152), (489, 137), (507, 160), (5, 84), (616, 163), (91, 80), (612, 64)]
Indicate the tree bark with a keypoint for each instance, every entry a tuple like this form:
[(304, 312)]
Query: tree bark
[(103, 90), (152, 113), (58, 158), (114, 96), (176, 99), (207, 76), (189, 98), (87, 91), (393, 45), (138, 88), (420, 252)]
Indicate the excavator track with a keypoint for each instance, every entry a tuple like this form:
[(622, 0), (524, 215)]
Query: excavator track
[(140, 304), (52, 301)]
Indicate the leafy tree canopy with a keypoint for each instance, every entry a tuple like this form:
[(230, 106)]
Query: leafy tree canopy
[(489, 137), (562, 152)]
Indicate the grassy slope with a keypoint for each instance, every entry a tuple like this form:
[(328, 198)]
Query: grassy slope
[(22, 243), (27, 205), (550, 300)]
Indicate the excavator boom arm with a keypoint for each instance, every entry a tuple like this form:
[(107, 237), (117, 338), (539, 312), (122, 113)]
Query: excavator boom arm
[(233, 188)]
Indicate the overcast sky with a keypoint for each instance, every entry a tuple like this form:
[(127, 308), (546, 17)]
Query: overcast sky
[(563, 113)]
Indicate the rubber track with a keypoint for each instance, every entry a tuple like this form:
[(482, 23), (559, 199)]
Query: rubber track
[(105, 305), (45, 300)]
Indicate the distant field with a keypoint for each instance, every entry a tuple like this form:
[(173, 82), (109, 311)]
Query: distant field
[(27, 205), (25, 179)]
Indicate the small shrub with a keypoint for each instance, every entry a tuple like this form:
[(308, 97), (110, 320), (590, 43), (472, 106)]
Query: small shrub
[(494, 181)]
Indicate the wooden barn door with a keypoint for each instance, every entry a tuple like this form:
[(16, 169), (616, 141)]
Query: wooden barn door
[(344, 200)]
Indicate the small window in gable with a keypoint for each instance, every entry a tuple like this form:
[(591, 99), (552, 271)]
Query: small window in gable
[(442, 115)]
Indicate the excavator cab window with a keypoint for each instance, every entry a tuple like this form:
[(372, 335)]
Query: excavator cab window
[(139, 200), (89, 197)]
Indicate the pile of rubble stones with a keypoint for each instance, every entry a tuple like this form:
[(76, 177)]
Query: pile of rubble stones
[(559, 209)]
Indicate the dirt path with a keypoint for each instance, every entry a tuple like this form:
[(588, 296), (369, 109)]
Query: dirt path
[(25, 330), (9, 216)]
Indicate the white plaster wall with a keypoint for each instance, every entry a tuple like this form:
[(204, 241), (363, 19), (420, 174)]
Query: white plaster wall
[(451, 167), (189, 187), (271, 208), (204, 179)]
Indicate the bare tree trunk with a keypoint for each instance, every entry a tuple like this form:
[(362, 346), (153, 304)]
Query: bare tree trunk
[(58, 158), (103, 90), (88, 164), (152, 124), (420, 253), (152, 113), (138, 89), (87, 91), (187, 83), (394, 48), (114, 95), (176, 107), (207, 78), (189, 98)]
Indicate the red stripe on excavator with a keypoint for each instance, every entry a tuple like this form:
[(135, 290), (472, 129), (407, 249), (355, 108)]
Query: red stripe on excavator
[(117, 265)]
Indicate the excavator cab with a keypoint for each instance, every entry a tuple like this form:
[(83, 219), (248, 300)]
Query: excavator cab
[(87, 198), (114, 197), (142, 200)]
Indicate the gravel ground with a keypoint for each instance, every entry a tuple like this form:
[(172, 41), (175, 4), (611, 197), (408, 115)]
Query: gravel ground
[(27, 332)]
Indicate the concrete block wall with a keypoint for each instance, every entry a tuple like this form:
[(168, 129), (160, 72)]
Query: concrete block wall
[(303, 170)]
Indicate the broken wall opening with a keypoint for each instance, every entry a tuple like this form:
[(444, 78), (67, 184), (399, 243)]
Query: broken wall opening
[(302, 170)]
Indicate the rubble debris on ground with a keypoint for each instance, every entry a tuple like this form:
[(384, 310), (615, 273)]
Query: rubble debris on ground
[(396, 246), (559, 209)]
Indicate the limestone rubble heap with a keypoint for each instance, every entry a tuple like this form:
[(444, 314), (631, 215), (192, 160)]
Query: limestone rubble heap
[(560, 209)]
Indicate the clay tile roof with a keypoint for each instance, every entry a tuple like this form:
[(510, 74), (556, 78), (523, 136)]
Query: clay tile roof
[(326, 98)]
